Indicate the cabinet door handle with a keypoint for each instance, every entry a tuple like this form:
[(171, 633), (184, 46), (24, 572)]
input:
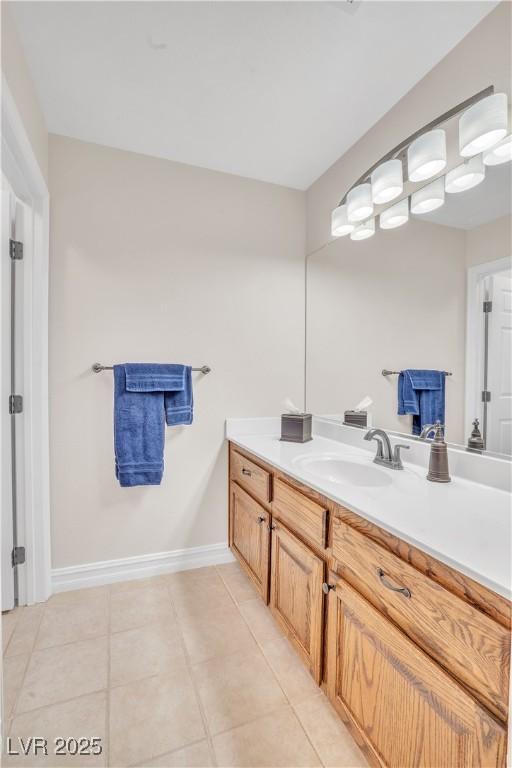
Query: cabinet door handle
[(246, 471), (405, 591), (326, 588), (271, 527), (260, 520)]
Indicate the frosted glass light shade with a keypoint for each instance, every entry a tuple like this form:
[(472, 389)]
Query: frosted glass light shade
[(340, 225), (500, 153), (387, 181), (364, 230), (359, 202), (427, 155), (429, 198), (466, 175), (483, 124), (395, 216)]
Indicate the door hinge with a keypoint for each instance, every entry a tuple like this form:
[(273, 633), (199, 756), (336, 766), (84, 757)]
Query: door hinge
[(15, 249), (487, 306), (486, 396), (15, 404), (18, 556)]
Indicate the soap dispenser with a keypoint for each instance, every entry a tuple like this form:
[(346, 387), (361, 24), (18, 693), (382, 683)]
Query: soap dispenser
[(438, 465)]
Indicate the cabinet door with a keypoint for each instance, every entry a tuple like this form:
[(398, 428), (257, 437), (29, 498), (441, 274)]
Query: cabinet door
[(250, 537), (296, 597), (407, 708)]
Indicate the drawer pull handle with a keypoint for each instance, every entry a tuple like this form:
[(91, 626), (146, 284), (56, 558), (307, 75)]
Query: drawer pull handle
[(246, 471), (326, 588), (383, 580), (260, 520)]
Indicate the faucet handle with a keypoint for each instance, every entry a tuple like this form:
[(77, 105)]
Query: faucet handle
[(397, 460)]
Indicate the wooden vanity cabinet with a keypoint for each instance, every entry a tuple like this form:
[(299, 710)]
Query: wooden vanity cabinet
[(296, 595), (404, 706), (413, 655)]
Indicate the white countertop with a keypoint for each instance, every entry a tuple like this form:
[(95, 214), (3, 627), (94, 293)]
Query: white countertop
[(465, 524)]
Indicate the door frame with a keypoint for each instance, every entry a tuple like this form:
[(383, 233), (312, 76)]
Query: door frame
[(474, 338), (21, 169)]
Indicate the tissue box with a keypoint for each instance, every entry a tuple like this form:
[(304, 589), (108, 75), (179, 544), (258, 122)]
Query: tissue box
[(296, 427), (356, 418)]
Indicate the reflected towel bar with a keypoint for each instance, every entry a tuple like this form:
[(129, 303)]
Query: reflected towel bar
[(98, 367), (385, 372)]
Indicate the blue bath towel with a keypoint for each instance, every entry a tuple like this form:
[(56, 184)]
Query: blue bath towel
[(421, 393), (145, 397)]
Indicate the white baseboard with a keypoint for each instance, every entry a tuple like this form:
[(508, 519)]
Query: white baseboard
[(138, 567)]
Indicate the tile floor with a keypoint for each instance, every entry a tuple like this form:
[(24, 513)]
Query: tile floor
[(188, 669)]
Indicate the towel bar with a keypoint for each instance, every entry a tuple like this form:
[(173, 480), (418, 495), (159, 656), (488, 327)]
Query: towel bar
[(98, 367), (385, 372)]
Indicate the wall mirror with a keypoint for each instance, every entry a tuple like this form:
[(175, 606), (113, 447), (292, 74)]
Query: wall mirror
[(413, 298)]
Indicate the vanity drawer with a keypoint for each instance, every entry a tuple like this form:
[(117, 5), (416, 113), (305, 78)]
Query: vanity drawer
[(300, 514), (255, 479), (469, 644)]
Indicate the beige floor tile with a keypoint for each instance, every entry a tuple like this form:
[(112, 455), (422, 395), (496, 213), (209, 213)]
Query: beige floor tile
[(216, 633), (291, 673), (198, 599), (151, 717), (89, 594), (139, 607), (328, 734), (13, 670), (235, 689), (154, 649), (193, 576), (78, 718), (238, 584), (136, 584), (274, 741), (9, 619), (63, 623), (25, 630), (260, 620), (64, 672), (193, 756)]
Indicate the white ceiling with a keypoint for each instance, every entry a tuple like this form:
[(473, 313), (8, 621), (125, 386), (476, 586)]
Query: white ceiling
[(270, 90)]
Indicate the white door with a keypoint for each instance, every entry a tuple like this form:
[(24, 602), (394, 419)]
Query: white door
[(499, 412), (14, 228)]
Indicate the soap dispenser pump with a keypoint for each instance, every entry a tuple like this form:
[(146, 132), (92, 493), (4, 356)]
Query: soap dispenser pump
[(438, 465)]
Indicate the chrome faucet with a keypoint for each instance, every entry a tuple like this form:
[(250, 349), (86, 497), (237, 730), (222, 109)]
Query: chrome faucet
[(385, 455)]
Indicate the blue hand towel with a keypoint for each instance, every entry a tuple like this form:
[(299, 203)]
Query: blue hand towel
[(422, 394), (145, 396)]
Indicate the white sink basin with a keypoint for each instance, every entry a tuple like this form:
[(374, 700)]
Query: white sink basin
[(343, 471)]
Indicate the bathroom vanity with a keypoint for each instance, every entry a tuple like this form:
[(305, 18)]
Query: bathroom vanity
[(410, 640)]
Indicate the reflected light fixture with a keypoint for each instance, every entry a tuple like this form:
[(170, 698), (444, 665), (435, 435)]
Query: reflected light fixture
[(466, 175), (395, 216), (359, 202), (483, 124), (427, 155), (428, 198), (340, 225), (364, 230), (387, 181), (500, 153)]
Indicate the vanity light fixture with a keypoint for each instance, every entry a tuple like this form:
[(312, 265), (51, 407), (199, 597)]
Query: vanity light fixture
[(428, 198), (422, 156), (387, 181), (426, 156), (364, 230), (359, 203), (466, 175), (395, 216), (483, 124), (500, 153), (340, 225)]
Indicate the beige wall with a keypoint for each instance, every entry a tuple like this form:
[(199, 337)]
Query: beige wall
[(156, 261), (394, 301), (398, 299), (489, 242), (19, 81)]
